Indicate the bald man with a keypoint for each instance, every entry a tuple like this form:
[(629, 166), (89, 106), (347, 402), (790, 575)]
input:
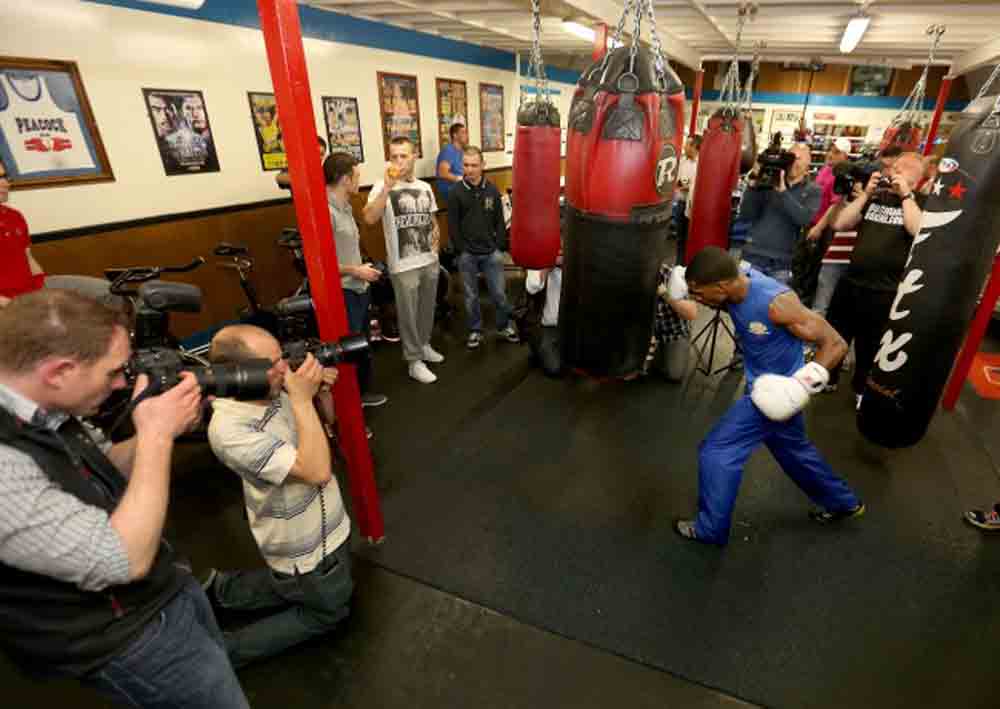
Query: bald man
[(778, 216), (279, 448), (887, 218)]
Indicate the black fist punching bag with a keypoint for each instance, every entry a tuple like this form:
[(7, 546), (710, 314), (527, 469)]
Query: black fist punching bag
[(622, 153), (936, 299)]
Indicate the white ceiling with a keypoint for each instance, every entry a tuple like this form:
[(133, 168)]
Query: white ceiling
[(696, 30)]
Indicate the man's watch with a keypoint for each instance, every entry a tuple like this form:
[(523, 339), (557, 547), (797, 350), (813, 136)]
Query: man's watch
[(908, 195)]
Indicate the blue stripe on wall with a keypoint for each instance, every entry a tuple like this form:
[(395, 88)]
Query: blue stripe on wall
[(334, 27), (827, 100)]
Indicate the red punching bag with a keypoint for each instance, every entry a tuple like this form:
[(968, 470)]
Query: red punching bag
[(718, 171), (906, 135), (624, 141), (534, 229)]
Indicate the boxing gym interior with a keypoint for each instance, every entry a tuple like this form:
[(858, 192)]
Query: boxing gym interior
[(527, 506)]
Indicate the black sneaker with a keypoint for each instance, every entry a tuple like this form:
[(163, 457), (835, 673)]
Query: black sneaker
[(988, 520), (371, 399), (510, 334), (825, 517)]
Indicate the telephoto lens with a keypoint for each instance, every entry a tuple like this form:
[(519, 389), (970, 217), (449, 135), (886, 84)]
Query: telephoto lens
[(243, 380), (350, 349)]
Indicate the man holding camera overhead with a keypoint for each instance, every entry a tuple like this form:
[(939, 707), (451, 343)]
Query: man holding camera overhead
[(887, 217), (778, 204), (88, 586), (279, 448)]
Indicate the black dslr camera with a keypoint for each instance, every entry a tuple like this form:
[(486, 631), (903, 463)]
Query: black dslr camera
[(350, 349), (771, 163), (848, 174)]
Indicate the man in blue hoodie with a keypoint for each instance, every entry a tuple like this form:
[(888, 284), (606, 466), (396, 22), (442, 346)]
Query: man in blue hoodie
[(778, 215)]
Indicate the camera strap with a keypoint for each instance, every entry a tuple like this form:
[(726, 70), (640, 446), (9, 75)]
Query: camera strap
[(151, 389)]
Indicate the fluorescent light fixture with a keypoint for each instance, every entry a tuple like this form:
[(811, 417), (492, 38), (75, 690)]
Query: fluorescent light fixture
[(186, 4), (853, 33), (587, 33)]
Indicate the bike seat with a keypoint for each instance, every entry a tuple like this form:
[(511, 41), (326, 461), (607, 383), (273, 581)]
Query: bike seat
[(226, 249)]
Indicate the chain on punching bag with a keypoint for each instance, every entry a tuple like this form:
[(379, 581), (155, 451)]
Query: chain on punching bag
[(625, 129), (906, 129), (534, 230), (949, 261)]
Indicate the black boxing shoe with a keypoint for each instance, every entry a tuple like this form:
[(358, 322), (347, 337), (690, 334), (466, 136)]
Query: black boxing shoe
[(826, 517)]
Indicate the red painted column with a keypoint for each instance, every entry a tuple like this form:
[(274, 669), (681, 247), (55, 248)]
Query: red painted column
[(942, 99), (600, 41), (699, 79), (979, 324), (279, 19)]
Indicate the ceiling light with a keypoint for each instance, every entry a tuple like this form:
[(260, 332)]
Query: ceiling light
[(587, 33), (854, 31)]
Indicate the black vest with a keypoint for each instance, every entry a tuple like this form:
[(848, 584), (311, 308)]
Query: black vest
[(51, 626)]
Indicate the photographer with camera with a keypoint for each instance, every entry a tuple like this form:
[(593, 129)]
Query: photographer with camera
[(779, 203), (88, 586), (342, 179), (887, 217), (279, 447)]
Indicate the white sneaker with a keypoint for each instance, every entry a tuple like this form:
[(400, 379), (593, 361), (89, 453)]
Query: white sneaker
[(432, 355), (419, 371)]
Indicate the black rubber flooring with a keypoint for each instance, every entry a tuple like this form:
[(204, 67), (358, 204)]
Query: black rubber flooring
[(552, 502)]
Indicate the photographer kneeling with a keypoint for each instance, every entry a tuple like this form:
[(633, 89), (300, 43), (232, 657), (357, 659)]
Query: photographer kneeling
[(88, 587), (280, 449), (778, 207)]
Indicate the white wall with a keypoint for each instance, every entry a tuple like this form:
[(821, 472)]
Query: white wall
[(121, 51)]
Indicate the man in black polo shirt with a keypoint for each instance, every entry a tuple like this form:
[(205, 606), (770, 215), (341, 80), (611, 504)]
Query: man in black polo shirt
[(887, 220), (477, 231)]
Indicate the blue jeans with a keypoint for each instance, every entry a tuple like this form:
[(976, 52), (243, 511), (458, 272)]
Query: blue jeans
[(725, 450), (306, 605), (829, 276), (777, 269), (179, 660), (359, 322), (491, 265)]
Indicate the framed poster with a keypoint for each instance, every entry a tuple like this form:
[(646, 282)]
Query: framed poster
[(48, 136), (343, 126), (182, 131), (452, 107), (270, 143), (400, 109), (491, 123)]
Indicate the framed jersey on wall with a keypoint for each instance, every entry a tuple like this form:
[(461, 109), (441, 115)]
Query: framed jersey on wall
[(48, 136)]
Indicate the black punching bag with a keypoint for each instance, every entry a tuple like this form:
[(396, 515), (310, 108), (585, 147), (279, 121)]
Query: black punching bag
[(936, 299)]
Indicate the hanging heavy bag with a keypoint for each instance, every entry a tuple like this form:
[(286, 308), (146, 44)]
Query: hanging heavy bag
[(718, 171), (906, 136), (623, 146), (937, 296), (534, 232)]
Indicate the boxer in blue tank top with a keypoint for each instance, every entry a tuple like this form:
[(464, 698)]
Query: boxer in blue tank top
[(770, 324)]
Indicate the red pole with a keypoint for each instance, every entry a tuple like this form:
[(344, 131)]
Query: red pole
[(942, 99), (600, 41), (699, 78), (279, 19), (979, 324)]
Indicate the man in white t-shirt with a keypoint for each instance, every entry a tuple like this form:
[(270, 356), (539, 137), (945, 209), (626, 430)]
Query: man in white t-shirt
[(279, 448), (407, 209)]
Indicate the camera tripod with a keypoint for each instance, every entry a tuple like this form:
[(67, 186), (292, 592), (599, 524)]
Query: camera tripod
[(710, 333)]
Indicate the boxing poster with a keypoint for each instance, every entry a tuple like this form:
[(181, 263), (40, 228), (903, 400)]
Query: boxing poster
[(452, 108), (182, 131), (270, 143), (343, 126), (400, 108), (491, 117), (47, 131)]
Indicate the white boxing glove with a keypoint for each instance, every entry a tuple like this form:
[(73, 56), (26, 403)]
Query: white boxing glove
[(677, 287), (780, 398)]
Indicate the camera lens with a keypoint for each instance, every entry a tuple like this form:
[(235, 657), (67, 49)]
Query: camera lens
[(246, 380)]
